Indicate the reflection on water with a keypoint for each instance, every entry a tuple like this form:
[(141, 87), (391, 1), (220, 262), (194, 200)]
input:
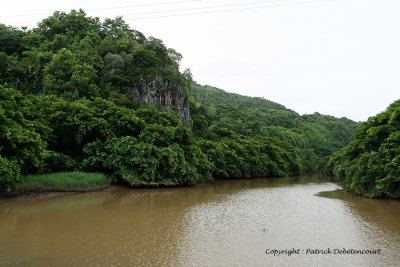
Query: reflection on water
[(226, 223)]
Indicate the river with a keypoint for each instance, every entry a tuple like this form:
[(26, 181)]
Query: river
[(227, 223)]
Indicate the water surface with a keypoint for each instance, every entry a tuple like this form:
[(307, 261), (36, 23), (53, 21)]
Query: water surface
[(228, 223)]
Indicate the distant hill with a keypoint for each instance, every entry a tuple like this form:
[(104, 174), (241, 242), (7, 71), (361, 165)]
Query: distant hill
[(313, 136), (212, 96)]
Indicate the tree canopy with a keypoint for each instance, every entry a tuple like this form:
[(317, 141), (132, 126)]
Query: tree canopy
[(70, 99), (295, 144), (370, 164)]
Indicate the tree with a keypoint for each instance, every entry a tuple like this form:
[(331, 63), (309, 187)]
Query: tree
[(11, 39), (22, 149), (65, 75)]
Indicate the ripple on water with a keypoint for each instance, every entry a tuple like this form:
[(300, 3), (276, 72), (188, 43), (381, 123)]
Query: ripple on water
[(222, 224)]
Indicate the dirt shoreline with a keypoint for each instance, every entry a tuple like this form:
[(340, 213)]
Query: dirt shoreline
[(45, 194)]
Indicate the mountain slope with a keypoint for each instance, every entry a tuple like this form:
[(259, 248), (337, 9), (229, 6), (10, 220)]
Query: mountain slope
[(370, 164), (217, 114)]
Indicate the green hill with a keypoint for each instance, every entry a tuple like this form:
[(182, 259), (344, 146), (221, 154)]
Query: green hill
[(306, 140), (370, 164)]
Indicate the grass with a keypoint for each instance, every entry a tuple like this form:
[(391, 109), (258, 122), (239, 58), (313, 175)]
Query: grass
[(63, 182)]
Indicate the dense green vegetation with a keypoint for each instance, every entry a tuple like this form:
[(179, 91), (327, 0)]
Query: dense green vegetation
[(250, 136), (62, 182), (142, 147), (370, 164), (69, 101)]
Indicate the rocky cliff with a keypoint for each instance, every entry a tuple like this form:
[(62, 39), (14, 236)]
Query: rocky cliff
[(166, 94)]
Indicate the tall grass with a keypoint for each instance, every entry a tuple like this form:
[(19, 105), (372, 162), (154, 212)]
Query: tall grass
[(62, 182)]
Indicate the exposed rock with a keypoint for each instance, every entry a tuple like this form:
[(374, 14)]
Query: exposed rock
[(166, 94)]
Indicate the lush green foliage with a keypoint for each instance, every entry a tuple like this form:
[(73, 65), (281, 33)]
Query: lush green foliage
[(62, 181), (21, 146), (256, 137), (67, 67), (370, 164), (75, 56), (142, 147), (70, 94)]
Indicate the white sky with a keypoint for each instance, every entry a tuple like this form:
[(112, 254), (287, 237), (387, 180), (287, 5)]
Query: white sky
[(338, 57)]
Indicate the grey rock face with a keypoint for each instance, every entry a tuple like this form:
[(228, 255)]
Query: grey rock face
[(165, 94)]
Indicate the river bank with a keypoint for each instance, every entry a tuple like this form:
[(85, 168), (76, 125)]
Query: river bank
[(55, 184), (46, 193)]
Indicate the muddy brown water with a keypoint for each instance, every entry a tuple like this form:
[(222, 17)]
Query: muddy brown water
[(228, 223)]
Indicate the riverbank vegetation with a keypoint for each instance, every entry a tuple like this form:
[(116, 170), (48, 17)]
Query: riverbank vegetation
[(69, 101), (370, 164), (62, 182)]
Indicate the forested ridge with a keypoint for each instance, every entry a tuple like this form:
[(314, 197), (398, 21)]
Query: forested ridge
[(370, 164), (268, 138), (73, 94)]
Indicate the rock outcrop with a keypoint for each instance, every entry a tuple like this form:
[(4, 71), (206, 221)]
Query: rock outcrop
[(166, 94)]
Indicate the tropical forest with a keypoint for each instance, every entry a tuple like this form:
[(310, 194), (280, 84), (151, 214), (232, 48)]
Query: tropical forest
[(86, 103), (118, 150)]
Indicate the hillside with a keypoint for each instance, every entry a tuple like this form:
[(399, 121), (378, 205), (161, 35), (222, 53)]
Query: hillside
[(76, 56), (218, 114), (370, 164), (80, 94), (212, 96)]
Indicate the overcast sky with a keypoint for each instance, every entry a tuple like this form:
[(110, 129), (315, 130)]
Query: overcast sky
[(337, 57)]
